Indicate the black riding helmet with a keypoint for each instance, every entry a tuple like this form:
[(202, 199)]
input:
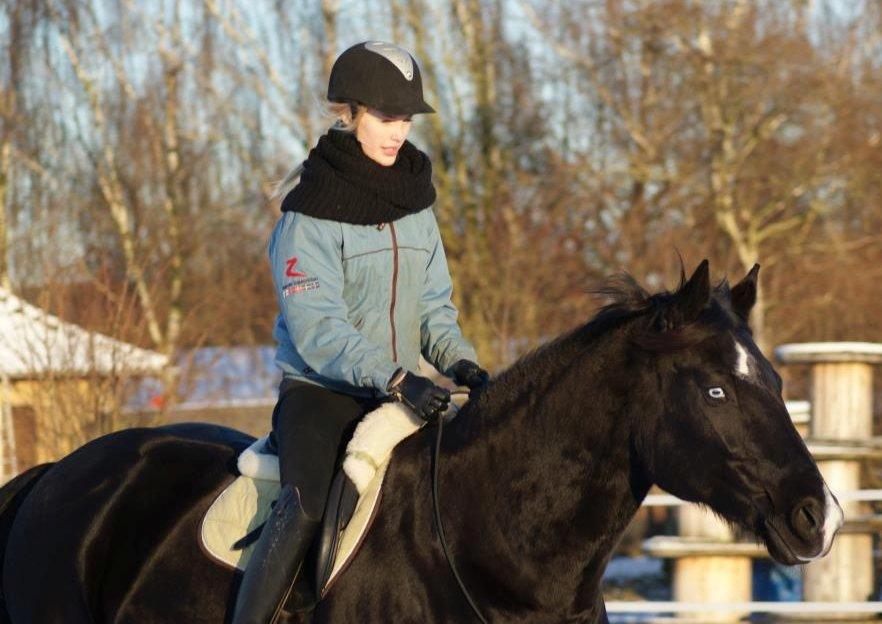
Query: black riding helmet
[(381, 76)]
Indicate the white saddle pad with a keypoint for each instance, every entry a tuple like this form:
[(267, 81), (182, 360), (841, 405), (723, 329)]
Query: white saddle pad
[(245, 503)]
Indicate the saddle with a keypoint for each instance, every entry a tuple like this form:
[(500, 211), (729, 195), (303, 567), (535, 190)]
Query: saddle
[(233, 521)]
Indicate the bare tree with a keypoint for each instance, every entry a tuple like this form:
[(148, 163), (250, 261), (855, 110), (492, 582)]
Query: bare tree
[(20, 19), (572, 140), (713, 116)]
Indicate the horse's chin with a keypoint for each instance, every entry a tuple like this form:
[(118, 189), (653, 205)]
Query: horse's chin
[(784, 547)]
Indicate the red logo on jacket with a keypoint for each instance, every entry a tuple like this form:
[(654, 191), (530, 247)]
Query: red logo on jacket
[(290, 271)]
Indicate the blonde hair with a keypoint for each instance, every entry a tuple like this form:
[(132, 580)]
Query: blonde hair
[(347, 117)]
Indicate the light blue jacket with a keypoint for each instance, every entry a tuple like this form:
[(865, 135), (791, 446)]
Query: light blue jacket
[(359, 301)]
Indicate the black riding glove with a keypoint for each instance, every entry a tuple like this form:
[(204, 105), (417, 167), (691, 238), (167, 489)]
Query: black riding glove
[(467, 373), (420, 394)]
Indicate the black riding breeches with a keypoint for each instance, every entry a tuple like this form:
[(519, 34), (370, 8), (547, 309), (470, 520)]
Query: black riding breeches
[(311, 426)]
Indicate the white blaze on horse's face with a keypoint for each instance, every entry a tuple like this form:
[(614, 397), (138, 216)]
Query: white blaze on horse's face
[(742, 365)]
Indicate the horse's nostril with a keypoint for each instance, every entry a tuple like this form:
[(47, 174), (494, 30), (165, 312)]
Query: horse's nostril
[(807, 518), (810, 518)]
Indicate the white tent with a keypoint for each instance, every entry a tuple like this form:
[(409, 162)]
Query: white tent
[(35, 343)]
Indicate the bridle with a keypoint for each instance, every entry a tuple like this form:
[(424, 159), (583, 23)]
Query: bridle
[(437, 506)]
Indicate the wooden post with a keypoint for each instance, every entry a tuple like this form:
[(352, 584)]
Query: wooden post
[(842, 412), (705, 577)]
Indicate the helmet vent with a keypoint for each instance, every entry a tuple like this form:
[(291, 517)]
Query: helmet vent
[(395, 55)]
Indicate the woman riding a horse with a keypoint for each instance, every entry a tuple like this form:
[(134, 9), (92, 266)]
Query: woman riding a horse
[(549, 462), (363, 288)]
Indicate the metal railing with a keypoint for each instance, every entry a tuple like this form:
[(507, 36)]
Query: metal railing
[(621, 607), (669, 500), (627, 606)]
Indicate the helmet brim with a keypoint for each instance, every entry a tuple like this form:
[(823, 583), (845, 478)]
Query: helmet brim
[(392, 110), (419, 109)]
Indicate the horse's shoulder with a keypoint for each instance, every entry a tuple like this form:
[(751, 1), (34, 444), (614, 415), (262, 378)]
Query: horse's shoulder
[(411, 457)]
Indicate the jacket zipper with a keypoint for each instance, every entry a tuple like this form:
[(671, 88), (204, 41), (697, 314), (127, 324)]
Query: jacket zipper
[(394, 289)]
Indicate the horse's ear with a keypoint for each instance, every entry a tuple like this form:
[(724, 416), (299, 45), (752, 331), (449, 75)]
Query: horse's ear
[(694, 295), (743, 294)]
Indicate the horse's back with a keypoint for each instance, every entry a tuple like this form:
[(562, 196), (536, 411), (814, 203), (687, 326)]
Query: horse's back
[(108, 532)]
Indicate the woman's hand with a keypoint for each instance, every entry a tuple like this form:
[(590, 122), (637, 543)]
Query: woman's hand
[(420, 394), (467, 373)]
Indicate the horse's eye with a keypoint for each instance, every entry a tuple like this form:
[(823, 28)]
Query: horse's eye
[(717, 393)]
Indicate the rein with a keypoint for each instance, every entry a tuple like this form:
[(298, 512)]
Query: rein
[(436, 457)]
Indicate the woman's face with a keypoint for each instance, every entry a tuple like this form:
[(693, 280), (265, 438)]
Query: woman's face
[(381, 136)]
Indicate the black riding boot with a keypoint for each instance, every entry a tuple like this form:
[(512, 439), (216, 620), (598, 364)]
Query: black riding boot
[(275, 561)]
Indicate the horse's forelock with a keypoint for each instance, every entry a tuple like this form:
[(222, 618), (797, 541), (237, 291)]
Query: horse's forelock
[(659, 333), (622, 291)]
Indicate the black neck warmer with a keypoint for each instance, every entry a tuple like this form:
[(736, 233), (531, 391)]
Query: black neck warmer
[(341, 183)]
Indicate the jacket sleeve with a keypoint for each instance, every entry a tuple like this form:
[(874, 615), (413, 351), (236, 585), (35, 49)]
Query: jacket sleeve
[(442, 342), (307, 266)]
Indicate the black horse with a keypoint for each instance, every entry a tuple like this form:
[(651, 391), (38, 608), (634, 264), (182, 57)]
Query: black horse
[(540, 475)]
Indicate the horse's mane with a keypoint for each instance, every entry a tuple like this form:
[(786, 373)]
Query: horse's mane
[(663, 330), (658, 331)]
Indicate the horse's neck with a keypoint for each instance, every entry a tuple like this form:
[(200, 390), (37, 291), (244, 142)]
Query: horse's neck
[(547, 482)]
